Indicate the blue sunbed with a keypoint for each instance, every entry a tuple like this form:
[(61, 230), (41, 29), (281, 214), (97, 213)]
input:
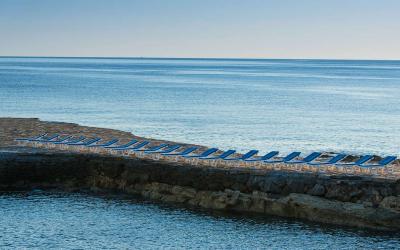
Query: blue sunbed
[(183, 153), (60, 139), (50, 140), (106, 144), (84, 143), (169, 149), (331, 161), (289, 157), (307, 159), (122, 146), (79, 139), (360, 161), (385, 161), (137, 146), (205, 153), (243, 157), (41, 136), (155, 148), (219, 157), (263, 158), (45, 139)]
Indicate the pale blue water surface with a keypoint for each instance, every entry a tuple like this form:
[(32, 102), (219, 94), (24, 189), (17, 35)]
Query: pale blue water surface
[(345, 106), (334, 105)]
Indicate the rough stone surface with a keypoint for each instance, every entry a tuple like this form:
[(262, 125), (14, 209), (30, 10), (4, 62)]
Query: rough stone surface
[(343, 200), (362, 201), (391, 202), (317, 190)]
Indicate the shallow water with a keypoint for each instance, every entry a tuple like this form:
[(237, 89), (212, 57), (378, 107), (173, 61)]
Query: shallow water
[(78, 221), (286, 105)]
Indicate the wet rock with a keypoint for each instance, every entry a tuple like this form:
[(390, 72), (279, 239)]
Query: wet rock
[(341, 213), (187, 193), (244, 203), (317, 190), (132, 177), (205, 199), (219, 200), (397, 186), (337, 192), (386, 191), (255, 182), (391, 202), (258, 202), (295, 185), (373, 195), (273, 184), (367, 204), (232, 196)]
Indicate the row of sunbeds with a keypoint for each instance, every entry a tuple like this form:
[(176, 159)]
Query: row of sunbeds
[(212, 154)]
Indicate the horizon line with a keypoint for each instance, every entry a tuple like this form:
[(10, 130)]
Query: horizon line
[(198, 58)]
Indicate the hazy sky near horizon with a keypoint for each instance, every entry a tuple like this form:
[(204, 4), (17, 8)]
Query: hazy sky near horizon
[(349, 29)]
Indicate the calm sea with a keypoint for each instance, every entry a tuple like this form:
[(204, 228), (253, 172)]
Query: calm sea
[(345, 106)]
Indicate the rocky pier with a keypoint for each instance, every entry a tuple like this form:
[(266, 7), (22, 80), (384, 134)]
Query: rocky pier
[(349, 200)]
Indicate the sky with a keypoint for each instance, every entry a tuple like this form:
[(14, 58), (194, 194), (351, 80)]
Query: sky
[(331, 29)]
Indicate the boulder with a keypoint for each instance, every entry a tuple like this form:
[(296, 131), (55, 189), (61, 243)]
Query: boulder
[(391, 202), (317, 190), (335, 212)]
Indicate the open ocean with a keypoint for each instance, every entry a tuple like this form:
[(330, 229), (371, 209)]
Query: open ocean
[(285, 105)]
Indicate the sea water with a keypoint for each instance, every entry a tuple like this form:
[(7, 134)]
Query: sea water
[(77, 221), (285, 105)]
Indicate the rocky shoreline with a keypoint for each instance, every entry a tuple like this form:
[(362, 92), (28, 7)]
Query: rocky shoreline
[(359, 201)]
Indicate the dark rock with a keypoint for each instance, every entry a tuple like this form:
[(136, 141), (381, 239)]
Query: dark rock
[(391, 202), (255, 182), (273, 184), (386, 191), (210, 187), (317, 190), (336, 192)]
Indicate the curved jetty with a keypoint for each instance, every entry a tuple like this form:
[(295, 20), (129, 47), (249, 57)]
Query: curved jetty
[(367, 199)]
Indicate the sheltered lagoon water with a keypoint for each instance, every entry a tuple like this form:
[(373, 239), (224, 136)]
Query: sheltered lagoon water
[(75, 221), (285, 105)]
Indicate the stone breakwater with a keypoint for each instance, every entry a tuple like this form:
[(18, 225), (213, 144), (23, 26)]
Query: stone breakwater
[(352, 200), (365, 202)]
